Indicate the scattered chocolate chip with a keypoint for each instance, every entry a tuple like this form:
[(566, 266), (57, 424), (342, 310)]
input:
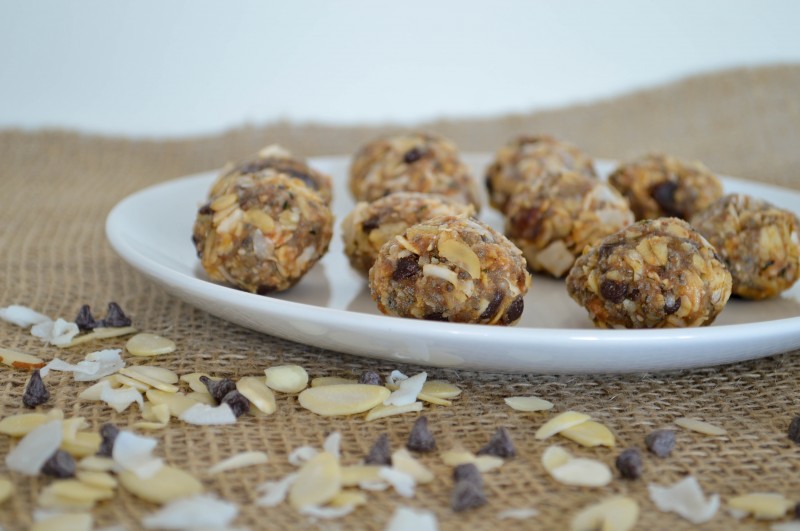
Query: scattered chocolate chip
[(109, 434), (613, 291), (60, 465), (412, 156), (794, 429), (370, 378), (218, 388), (494, 304), (468, 488), (500, 445), (238, 403), (85, 319), (370, 224), (115, 317), (35, 393), (796, 511), (629, 463), (664, 194), (514, 310), (421, 439), (660, 442), (671, 304), (406, 267), (380, 453)]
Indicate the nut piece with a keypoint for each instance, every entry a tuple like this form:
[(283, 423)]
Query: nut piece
[(145, 344), (763, 506), (286, 378), (64, 522), (20, 360), (528, 403), (348, 399), (589, 434), (6, 489), (22, 424), (257, 392), (617, 513), (440, 389), (318, 481), (560, 423), (166, 485), (336, 380), (700, 426), (381, 411)]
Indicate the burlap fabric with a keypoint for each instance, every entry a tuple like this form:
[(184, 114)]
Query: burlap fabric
[(56, 189)]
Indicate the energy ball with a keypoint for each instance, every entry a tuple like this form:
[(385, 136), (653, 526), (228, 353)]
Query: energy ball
[(273, 158), (264, 233), (414, 162), (526, 159), (654, 274), (558, 215), (756, 240), (664, 186), (451, 269), (370, 225)]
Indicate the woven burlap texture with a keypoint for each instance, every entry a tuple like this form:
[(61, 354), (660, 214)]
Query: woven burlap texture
[(56, 189)]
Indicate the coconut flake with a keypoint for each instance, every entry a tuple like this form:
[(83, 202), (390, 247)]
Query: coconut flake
[(374, 485), (327, 513), (120, 398), (22, 316), (108, 361), (405, 518), (205, 415), (135, 453), (58, 332), (518, 514), (404, 484), (35, 448), (275, 491), (200, 511), (60, 365), (301, 455), (408, 391), (241, 460), (395, 377), (686, 499), (332, 444)]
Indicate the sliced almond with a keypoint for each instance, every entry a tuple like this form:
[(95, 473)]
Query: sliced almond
[(260, 219), (318, 481), (528, 403), (203, 398), (80, 491), (380, 411), (145, 344), (100, 333), (257, 392), (559, 423), (555, 456), (331, 380), (121, 379), (176, 402), (460, 254), (22, 424), (65, 522), (348, 498), (157, 373), (403, 461), (6, 489), (240, 460), (484, 463), (166, 485), (589, 434), (582, 472), (137, 373), (193, 379), (425, 397), (440, 389), (101, 480), (286, 378), (70, 427), (354, 475), (348, 399), (617, 513), (48, 500), (762, 505), (20, 360), (83, 444), (93, 463), (700, 426)]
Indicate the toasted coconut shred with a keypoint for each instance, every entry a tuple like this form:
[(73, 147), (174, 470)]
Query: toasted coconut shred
[(58, 332), (201, 511), (686, 499)]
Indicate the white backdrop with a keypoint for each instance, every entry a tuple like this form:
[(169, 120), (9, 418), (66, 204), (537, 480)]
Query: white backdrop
[(164, 68)]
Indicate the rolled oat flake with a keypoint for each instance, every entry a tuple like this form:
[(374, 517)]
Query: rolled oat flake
[(380, 453), (109, 434), (629, 463), (35, 393), (660, 442), (500, 445), (60, 465), (794, 429), (421, 439), (369, 378), (218, 389)]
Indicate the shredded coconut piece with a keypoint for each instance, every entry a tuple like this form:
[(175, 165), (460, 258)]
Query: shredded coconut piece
[(205, 415), (405, 518), (326, 513), (201, 511), (302, 455), (121, 398), (686, 499), (375, 485), (239, 461), (395, 377), (22, 316), (518, 514), (332, 444), (31, 453), (403, 483), (58, 332), (109, 362), (275, 492), (408, 391), (134, 452)]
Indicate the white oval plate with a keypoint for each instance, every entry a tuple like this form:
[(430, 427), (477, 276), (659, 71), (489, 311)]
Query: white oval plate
[(331, 306)]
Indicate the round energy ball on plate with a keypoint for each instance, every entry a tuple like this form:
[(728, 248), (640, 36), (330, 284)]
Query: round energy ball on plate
[(369, 225), (273, 158), (264, 233), (554, 218), (654, 274), (664, 186), (527, 158), (414, 162), (451, 269), (756, 240)]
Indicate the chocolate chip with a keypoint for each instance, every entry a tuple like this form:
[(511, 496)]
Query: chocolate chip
[(606, 249), (500, 445), (660, 442), (494, 304), (671, 303), (468, 472), (115, 316), (794, 430), (238, 403), (85, 319), (421, 439), (60, 465), (109, 434), (435, 316), (206, 210), (613, 291), (412, 156), (380, 453), (35, 393), (796, 511), (663, 193), (370, 224), (370, 378), (514, 310), (629, 463), (218, 388), (468, 489), (406, 267)]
